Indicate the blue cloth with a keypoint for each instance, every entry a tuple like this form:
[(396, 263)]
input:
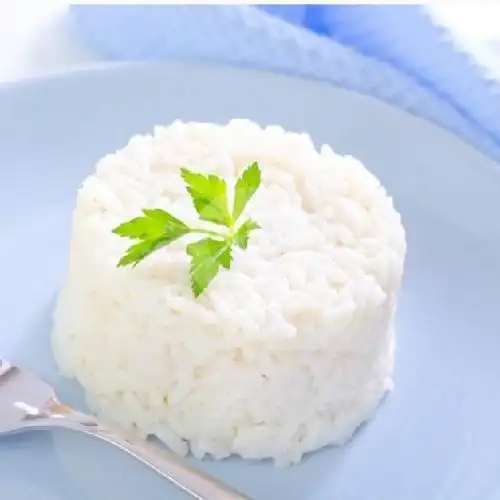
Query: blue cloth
[(394, 53)]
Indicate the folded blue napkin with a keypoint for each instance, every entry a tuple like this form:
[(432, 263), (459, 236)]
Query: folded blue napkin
[(395, 53)]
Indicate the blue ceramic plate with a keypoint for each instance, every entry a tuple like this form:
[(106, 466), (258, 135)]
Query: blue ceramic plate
[(435, 438)]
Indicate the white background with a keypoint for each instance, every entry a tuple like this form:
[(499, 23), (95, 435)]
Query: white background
[(36, 38)]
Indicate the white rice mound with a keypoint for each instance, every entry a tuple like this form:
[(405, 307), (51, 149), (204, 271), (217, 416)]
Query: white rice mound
[(286, 352)]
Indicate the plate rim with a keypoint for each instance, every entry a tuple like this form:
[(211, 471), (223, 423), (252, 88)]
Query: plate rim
[(101, 69)]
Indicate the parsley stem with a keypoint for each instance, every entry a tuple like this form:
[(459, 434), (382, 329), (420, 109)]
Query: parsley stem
[(208, 232)]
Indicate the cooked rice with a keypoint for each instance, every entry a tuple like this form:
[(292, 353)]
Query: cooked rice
[(286, 352)]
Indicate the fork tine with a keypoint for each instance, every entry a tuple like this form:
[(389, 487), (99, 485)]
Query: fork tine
[(4, 367)]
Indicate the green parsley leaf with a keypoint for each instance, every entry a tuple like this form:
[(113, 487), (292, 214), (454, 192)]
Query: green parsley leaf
[(207, 255), (156, 223), (242, 236), (141, 250), (209, 195), (245, 188), (156, 229)]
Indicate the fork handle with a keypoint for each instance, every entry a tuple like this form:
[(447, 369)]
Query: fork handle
[(198, 484)]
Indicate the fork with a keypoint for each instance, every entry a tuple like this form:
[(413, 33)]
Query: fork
[(28, 403)]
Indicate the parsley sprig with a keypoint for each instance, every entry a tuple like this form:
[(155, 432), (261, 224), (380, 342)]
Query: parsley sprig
[(157, 228)]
